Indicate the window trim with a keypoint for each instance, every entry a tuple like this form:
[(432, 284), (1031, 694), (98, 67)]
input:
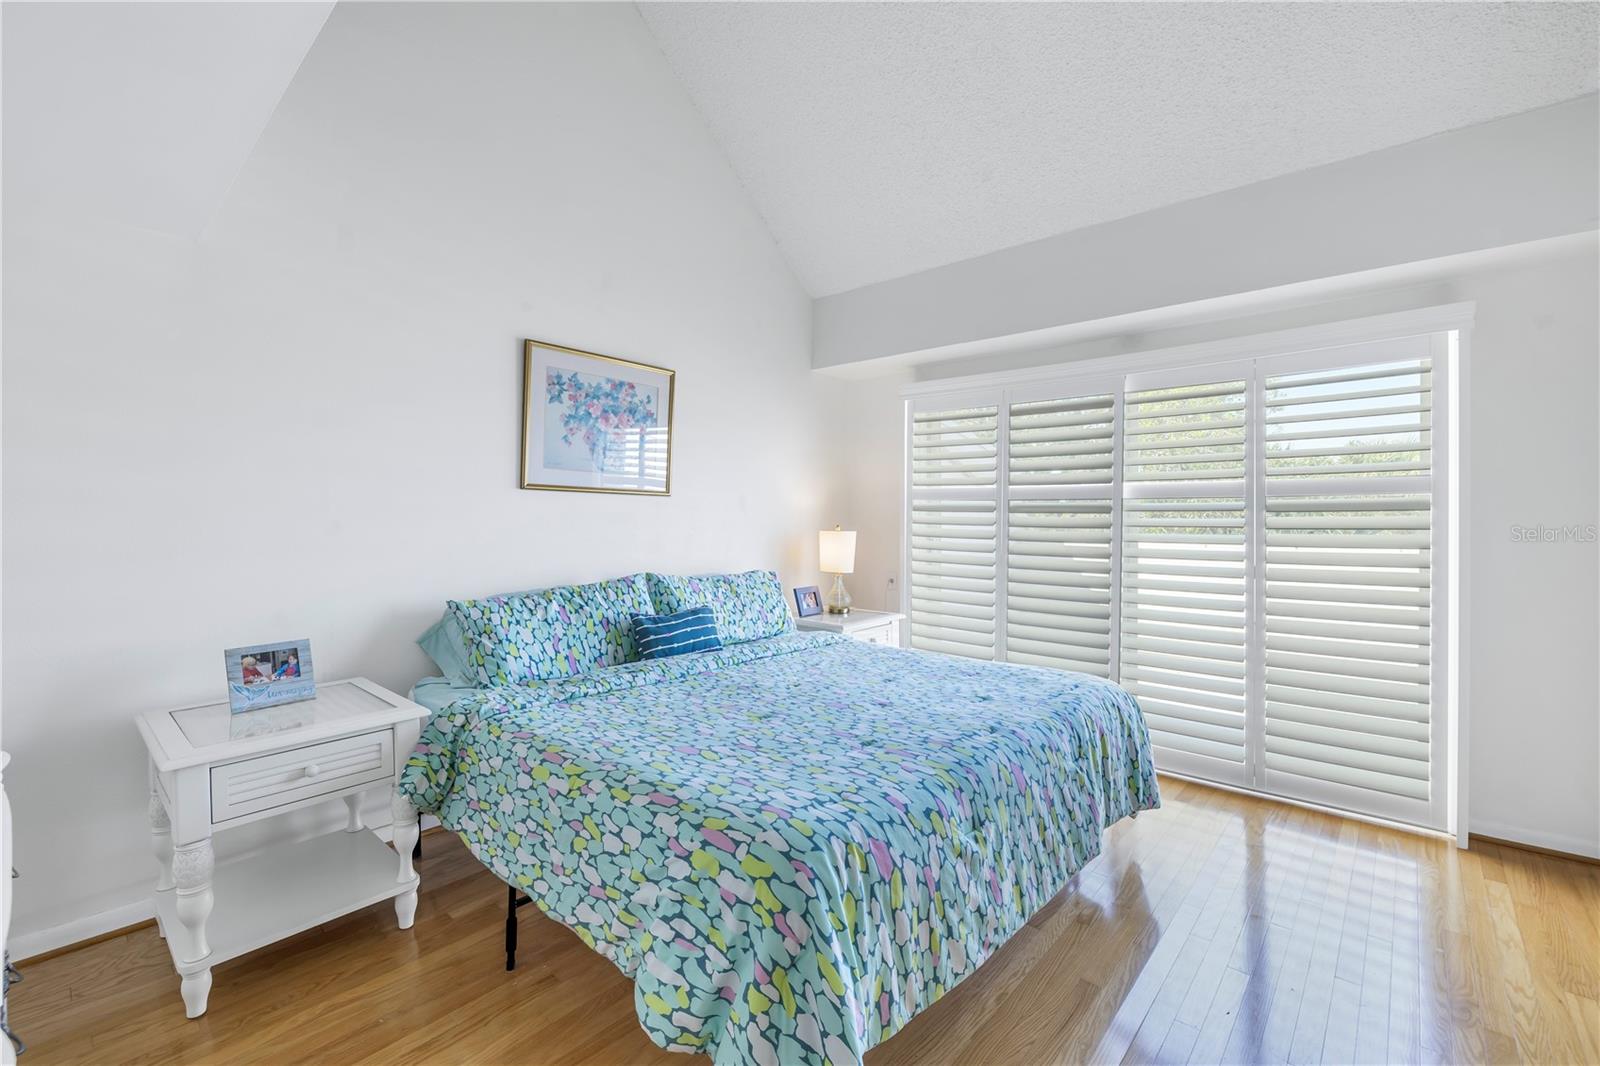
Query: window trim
[(1446, 329)]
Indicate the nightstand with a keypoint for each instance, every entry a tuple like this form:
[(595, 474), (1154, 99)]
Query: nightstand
[(873, 627), (212, 770)]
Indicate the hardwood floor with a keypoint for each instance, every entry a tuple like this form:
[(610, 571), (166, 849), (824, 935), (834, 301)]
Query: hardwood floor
[(1219, 929)]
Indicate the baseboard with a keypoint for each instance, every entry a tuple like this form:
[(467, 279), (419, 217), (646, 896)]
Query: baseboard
[(1556, 844), (1320, 808), (81, 932)]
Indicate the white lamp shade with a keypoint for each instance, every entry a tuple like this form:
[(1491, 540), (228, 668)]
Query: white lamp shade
[(836, 551)]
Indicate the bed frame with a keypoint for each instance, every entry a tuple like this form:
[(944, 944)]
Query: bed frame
[(513, 901)]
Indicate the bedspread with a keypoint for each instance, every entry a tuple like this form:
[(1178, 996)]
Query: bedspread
[(792, 845)]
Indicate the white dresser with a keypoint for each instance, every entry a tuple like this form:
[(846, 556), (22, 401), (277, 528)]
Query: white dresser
[(873, 627), (9, 1044), (211, 771)]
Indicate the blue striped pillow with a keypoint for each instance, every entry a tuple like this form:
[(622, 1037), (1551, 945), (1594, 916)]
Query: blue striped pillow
[(660, 635)]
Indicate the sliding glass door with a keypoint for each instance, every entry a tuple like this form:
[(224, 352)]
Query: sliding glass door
[(1250, 548)]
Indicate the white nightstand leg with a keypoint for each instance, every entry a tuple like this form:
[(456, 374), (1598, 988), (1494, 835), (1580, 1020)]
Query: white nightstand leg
[(161, 841), (191, 868), (352, 804), (196, 989), (406, 831)]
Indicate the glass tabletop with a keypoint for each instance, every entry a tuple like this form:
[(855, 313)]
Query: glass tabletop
[(216, 724)]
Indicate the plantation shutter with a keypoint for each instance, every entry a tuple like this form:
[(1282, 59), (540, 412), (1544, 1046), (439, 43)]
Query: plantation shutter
[(1060, 477), (1253, 549), (954, 534), (1348, 458), (1183, 603)]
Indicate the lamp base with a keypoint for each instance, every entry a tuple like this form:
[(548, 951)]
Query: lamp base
[(838, 601)]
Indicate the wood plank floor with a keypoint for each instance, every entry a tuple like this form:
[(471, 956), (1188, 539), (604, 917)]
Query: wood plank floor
[(1219, 929)]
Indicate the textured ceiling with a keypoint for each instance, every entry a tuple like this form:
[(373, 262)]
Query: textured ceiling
[(878, 140)]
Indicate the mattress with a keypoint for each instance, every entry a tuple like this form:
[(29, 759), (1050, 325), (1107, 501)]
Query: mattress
[(437, 693), (791, 845)]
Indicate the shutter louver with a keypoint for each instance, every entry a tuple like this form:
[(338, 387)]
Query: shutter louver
[(954, 531), (1365, 422), (1188, 433), (1061, 442), (1183, 571), (1060, 466), (1348, 592), (1058, 584), (954, 448), (1183, 623)]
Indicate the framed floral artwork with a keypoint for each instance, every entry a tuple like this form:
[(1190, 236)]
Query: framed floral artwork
[(594, 423)]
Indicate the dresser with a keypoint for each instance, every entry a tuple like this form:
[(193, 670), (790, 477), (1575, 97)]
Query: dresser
[(212, 771), (10, 1046), (872, 627)]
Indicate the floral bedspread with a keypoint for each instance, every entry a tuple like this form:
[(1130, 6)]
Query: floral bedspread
[(791, 845)]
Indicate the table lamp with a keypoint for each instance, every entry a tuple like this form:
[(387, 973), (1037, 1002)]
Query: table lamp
[(836, 555)]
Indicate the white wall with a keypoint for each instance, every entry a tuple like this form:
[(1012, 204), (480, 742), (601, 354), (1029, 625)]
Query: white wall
[(1522, 178), (306, 422), (195, 84), (1534, 443)]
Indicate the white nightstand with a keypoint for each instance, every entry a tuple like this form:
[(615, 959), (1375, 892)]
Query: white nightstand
[(874, 627), (211, 770)]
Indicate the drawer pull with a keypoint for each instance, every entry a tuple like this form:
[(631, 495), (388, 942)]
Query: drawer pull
[(313, 770)]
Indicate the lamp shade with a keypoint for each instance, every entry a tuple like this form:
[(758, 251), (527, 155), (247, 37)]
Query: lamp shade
[(836, 551)]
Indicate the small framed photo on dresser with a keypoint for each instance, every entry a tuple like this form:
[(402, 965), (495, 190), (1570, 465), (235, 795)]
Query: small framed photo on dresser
[(808, 601), (266, 675)]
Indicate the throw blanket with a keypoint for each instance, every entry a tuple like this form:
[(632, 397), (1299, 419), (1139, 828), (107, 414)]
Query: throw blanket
[(791, 845)]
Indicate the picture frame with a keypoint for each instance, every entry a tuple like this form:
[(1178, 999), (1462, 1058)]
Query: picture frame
[(268, 675), (594, 423), (808, 600)]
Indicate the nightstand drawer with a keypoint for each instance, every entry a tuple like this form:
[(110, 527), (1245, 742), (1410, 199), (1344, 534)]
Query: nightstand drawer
[(242, 788), (876, 635)]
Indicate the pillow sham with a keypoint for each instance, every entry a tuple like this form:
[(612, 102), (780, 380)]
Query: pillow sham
[(556, 632), (445, 646), (659, 636), (747, 606)]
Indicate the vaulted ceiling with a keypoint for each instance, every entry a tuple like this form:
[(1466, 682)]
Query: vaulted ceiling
[(878, 140), (196, 84)]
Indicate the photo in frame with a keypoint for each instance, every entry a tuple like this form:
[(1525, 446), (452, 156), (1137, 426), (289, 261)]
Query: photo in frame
[(267, 675), (594, 423), (808, 600)]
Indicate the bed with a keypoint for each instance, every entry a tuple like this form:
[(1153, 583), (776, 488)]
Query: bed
[(792, 845)]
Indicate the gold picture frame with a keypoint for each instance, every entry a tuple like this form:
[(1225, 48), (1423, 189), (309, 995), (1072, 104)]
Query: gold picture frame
[(594, 423)]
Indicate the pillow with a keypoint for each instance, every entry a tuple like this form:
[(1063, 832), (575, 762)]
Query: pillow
[(661, 635), (556, 632), (445, 646), (747, 606)]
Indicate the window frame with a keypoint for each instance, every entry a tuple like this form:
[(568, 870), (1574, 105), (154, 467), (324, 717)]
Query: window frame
[(1441, 334)]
